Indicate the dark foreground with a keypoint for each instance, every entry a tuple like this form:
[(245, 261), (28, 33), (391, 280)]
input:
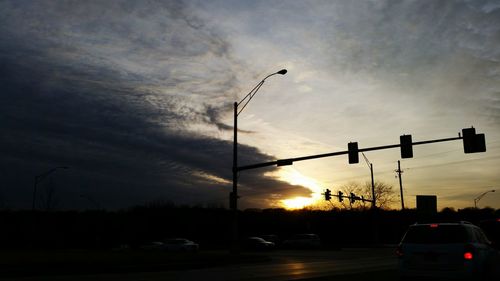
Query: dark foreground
[(307, 265), (204, 265)]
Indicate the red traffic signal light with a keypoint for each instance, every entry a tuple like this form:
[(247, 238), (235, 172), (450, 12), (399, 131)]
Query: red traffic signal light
[(352, 148), (406, 146)]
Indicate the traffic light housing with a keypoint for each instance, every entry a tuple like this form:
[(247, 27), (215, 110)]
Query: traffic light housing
[(341, 198), (352, 198), (352, 148), (328, 194), (473, 142), (406, 146)]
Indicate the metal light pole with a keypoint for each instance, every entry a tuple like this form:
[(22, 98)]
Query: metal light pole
[(370, 165), (233, 196), (481, 196), (39, 178)]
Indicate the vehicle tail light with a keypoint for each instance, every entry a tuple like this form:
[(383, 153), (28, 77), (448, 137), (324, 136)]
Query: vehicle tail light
[(434, 225), (469, 252), (468, 256), (399, 251)]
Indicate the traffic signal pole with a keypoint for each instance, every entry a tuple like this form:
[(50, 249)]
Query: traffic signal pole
[(289, 161)]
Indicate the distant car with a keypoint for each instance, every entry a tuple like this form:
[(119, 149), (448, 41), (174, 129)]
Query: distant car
[(180, 245), (155, 245), (303, 241), (270, 237), (445, 250), (257, 243)]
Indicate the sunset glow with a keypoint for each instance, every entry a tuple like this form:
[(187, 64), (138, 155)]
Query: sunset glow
[(297, 202), (294, 177)]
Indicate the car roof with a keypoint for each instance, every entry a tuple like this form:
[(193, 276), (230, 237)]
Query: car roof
[(176, 239), (464, 223)]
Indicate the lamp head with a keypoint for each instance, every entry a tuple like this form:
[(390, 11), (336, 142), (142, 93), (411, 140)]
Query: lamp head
[(282, 72)]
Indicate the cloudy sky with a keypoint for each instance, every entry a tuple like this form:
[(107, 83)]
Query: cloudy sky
[(136, 98)]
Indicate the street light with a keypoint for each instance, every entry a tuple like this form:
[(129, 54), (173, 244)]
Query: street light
[(39, 178), (481, 196), (370, 166), (233, 196)]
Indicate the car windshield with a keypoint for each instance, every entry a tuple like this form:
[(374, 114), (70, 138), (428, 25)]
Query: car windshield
[(436, 234)]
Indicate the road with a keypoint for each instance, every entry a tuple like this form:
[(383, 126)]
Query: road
[(282, 265), (287, 266)]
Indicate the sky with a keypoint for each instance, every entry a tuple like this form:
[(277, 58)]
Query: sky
[(136, 98)]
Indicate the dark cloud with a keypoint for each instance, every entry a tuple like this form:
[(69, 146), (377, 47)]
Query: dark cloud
[(213, 117), (111, 89)]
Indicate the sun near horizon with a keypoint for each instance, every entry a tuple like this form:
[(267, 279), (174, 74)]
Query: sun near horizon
[(292, 176), (297, 202)]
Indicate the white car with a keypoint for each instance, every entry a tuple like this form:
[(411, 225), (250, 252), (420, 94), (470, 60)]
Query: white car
[(445, 250)]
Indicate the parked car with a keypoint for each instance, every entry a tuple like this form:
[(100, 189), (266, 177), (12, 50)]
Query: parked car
[(445, 250), (171, 245), (154, 245), (180, 245), (302, 241), (270, 237), (257, 243)]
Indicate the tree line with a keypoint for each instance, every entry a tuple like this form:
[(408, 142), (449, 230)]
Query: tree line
[(211, 227)]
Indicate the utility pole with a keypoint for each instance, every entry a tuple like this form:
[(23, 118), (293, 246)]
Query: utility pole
[(399, 172)]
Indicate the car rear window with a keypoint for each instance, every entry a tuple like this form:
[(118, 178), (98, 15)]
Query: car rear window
[(436, 234)]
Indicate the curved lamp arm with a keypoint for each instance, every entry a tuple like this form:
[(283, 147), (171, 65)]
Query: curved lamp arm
[(481, 196), (252, 93)]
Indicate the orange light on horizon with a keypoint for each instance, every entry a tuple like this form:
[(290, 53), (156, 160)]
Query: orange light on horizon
[(297, 203)]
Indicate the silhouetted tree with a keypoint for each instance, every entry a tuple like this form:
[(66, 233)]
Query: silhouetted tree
[(384, 193), (347, 189), (448, 210)]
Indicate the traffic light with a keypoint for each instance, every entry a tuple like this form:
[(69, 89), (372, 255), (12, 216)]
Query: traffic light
[(406, 146), (352, 148), (328, 194), (340, 196), (352, 198), (473, 142)]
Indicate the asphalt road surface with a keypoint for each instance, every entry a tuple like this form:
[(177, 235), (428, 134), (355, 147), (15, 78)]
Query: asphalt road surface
[(282, 265)]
